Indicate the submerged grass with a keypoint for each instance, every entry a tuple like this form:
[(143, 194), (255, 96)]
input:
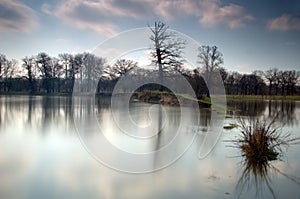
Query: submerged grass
[(230, 126)]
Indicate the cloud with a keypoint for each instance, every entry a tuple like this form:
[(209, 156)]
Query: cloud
[(285, 22), (16, 17), (100, 16), (83, 15), (103, 16), (209, 12), (46, 8), (232, 15)]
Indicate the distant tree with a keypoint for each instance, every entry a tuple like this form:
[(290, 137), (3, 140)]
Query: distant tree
[(282, 81), (9, 72), (3, 65), (288, 81), (65, 61), (198, 84), (121, 67), (29, 65), (57, 68), (44, 64), (223, 73), (72, 65), (232, 82), (57, 73), (91, 71), (278, 82), (167, 48), (271, 75), (8, 69), (293, 80), (210, 60)]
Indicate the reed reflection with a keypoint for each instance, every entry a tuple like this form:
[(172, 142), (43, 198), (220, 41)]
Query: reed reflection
[(262, 143)]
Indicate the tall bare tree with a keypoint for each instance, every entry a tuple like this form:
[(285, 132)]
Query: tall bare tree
[(167, 52)]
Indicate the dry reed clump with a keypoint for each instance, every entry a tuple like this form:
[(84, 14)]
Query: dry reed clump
[(262, 140)]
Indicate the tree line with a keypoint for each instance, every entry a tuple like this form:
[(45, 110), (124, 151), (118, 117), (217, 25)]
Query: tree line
[(45, 74), (42, 73)]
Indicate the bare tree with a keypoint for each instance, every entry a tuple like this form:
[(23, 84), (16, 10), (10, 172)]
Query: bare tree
[(10, 71), (29, 66), (271, 75), (92, 70), (44, 64), (57, 73), (65, 60), (167, 53), (210, 60), (72, 65), (3, 64), (120, 68), (290, 78)]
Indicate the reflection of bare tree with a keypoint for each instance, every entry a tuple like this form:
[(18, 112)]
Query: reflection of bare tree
[(248, 108), (30, 110), (158, 137), (54, 111), (36, 112), (285, 111), (205, 117)]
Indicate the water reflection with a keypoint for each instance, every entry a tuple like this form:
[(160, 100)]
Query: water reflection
[(284, 109), (258, 175), (42, 157)]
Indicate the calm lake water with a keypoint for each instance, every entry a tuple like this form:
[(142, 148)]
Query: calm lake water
[(42, 155)]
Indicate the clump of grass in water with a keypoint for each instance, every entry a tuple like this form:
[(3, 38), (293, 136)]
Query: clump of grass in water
[(261, 142)]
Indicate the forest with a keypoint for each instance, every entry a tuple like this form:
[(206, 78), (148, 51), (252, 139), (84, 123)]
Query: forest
[(44, 74)]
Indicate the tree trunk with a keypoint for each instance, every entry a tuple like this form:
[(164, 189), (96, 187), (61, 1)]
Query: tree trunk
[(160, 70)]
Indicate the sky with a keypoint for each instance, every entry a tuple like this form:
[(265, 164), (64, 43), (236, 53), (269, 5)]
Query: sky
[(252, 35)]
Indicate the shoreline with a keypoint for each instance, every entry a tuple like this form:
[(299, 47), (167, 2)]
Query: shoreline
[(156, 93)]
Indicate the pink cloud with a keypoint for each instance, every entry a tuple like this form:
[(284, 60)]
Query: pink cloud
[(102, 16), (284, 23), (17, 17), (232, 15)]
